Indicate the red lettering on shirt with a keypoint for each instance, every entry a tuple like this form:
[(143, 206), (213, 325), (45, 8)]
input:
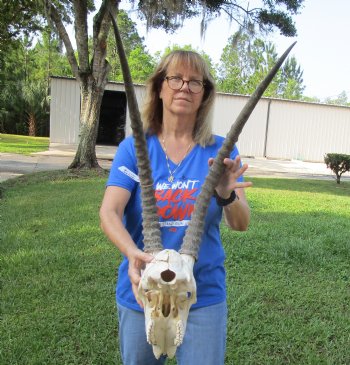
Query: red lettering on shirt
[(175, 196)]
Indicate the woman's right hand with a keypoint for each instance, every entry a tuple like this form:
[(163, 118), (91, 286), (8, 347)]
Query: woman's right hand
[(137, 262)]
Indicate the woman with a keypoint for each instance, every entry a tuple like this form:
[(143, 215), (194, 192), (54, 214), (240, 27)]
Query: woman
[(181, 146)]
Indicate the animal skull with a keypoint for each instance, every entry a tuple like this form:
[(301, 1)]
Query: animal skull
[(167, 290)]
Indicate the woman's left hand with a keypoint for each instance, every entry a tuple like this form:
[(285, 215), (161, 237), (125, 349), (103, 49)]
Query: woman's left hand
[(228, 180)]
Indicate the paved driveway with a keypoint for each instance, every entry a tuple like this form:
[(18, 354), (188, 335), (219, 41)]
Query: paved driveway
[(12, 165)]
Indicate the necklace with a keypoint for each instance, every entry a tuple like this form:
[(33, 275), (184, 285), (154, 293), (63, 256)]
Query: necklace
[(171, 173)]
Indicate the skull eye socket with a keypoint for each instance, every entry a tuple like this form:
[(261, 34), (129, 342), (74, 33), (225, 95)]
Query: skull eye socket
[(167, 275)]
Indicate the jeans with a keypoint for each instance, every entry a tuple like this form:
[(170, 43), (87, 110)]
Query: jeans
[(204, 342)]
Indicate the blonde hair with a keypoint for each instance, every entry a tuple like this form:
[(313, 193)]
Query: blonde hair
[(152, 113)]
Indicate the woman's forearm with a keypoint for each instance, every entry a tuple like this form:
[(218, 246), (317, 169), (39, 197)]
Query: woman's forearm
[(237, 214)]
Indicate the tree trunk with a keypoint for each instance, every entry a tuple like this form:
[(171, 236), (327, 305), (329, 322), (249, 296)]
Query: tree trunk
[(91, 100), (31, 124)]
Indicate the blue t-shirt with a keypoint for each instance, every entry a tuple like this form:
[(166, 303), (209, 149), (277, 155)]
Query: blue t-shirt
[(175, 203)]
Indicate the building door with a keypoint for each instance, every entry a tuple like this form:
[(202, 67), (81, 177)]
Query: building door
[(111, 130)]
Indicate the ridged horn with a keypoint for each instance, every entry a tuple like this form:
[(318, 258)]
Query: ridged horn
[(151, 230), (193, 235)]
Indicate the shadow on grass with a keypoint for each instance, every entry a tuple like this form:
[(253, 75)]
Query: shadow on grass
[(50, 176)]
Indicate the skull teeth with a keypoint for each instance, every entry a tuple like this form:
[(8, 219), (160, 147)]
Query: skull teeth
[(151, 339), (179, 333)]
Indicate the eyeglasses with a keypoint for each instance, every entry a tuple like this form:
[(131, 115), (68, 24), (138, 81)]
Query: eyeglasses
[(176, 83)]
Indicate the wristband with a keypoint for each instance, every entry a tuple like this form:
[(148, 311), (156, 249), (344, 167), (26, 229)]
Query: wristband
[(223, 202)]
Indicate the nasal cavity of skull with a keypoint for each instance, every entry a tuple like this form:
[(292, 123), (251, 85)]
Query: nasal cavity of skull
[(166, 306), (167, 275)]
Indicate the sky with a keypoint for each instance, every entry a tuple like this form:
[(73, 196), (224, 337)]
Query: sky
[(322, 49)]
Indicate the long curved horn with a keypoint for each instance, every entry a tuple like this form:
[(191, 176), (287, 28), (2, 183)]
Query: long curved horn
[(193, 235), (151, 230)]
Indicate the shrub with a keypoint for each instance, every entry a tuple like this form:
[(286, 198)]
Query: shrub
[(338, 163)]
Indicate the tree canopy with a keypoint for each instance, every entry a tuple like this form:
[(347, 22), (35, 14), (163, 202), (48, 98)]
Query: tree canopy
[(267, 16), (244, 63), (140, 61), (17, 18)]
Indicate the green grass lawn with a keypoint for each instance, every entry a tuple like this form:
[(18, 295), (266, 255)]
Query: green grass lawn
[(288, 277), (25, 145)]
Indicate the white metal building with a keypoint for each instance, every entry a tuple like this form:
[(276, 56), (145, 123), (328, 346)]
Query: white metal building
[(279, 129)]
